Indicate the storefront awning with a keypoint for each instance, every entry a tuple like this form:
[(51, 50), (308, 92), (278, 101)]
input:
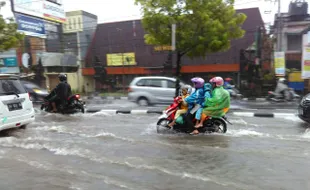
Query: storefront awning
[(296, 30)]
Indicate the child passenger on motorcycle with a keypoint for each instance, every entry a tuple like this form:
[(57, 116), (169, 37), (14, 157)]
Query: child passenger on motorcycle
[(183, 106), (207, 94)]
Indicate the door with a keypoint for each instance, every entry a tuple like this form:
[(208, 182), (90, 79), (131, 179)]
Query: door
[(155, 88), (169, 91)]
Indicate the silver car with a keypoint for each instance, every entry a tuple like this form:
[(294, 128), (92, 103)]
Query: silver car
[(152, 90)]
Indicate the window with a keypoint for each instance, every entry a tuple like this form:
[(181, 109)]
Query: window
[(154, 83), (171, 84), (80, 22), (141, 82), (70, 24), (150, 82), (87, 38), (294, 42), (9, 86), (74, 23)]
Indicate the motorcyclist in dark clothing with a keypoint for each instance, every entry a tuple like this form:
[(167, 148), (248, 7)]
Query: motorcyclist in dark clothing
[(61, 92)]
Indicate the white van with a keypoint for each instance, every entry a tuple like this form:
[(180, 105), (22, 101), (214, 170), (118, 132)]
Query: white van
[(152, 90), (16, 108)]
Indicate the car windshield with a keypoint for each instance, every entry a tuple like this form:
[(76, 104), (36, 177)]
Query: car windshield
[(11, 86)]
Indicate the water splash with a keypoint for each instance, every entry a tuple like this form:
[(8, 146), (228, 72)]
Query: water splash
[(246, 132)]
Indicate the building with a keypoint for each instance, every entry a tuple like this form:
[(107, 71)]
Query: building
[(78, 33), (127, 37), (43, 41), (289, 29)]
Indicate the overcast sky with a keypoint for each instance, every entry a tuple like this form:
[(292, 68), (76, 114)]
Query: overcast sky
[(117, 10)]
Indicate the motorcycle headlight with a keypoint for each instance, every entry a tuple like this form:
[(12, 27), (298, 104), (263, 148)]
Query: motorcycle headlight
[(37, 91)]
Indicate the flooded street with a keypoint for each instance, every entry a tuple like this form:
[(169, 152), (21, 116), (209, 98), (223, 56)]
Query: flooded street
[(108, 151)]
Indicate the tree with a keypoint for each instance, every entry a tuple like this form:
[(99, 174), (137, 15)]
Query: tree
[(9, 37), (203, 26)]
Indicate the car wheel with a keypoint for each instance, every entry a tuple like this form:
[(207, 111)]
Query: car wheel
[(143, 101)]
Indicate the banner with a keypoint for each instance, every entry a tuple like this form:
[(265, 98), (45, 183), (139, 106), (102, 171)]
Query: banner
[(305, 64), (8, 62), (49, 10), (120, 59), (30, 26), (53, 12), (279, 63)]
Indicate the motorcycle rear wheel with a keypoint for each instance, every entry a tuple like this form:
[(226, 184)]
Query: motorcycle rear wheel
[(217, 126)]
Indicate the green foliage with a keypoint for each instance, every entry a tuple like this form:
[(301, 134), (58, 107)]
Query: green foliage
[(9, 37), (203, 26)]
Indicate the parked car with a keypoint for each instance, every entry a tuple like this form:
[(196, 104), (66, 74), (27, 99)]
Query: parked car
[(152, 90), (37, 93), (304, 108), (16, 108)]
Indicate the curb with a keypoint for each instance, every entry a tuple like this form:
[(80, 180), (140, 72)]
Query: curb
[(255, 99), (106, 98), (133, 112), (268, 115), (137, 112)]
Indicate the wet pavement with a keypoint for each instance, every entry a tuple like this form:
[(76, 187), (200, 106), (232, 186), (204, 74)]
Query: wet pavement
[(107, 151)]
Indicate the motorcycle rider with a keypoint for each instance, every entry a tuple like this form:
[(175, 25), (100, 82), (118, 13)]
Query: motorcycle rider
[(61, 92), (216, 106), (227, 84), (282, 89)]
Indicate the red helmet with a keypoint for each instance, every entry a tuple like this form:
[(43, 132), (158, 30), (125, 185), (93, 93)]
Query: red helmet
[(218, 81)]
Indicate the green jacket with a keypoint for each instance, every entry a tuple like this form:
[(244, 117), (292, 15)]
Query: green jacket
[(220, 100)]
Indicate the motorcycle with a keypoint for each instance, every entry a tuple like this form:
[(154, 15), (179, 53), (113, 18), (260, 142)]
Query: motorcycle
[(283, 97), (210, 125), (234, 92), (72, 105)]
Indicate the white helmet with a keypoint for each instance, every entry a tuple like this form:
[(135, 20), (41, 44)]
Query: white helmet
[(282, 80), (188, 87)]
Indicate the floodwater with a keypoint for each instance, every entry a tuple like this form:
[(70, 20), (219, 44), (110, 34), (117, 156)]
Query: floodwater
[(107, 151)]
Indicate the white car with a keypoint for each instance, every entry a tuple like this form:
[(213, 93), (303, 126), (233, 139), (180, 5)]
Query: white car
[(150, 90), (16, 108)]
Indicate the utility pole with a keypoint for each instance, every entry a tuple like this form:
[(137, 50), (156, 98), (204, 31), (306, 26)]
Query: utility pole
[(123, 61), (259, 45), (173, 50), (62, 48), (79, 73), (279, 28)]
